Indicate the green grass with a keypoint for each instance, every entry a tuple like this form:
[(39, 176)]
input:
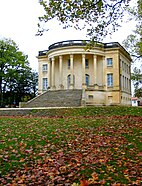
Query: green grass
[(89, 111), (99, 144)]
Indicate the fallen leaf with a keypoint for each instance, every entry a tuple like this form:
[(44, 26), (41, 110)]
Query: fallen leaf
[(83, 183)]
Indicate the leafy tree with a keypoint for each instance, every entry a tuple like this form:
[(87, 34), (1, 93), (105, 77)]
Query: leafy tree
[(133, 44), (26, 85), (15, 74), (100, 17), (34, 83), (137, 81)]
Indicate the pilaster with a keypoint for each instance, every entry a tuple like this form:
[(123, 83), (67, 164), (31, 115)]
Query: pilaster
[(83, 72), (53, 73), (95, 69), (49, 73), (61, 72), (71, 71)]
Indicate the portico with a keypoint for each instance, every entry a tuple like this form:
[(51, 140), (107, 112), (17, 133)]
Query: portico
[(63, 73)]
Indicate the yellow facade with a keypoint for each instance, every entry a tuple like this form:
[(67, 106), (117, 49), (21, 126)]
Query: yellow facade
[(102, 72)]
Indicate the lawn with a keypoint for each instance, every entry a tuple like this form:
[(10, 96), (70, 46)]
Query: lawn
[(72, 147)]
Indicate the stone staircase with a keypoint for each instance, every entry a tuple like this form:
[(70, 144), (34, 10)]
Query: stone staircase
[(56, 98)]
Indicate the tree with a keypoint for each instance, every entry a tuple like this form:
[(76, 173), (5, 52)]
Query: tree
[(15, 74), (137, 81), (133, 44), (100, 17), (34, 83), (26, 85)]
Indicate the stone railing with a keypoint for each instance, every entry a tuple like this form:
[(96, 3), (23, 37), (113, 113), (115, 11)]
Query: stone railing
[(69, 43), (42, 53), (80, 43)]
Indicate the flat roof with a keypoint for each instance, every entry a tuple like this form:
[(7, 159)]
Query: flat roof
[(81, 43)]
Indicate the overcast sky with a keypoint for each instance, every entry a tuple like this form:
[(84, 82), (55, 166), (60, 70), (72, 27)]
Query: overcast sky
[(18, 21)]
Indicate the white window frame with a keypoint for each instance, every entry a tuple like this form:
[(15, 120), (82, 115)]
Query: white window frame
[(45, 83), (110, 80), (44, 67), (86, 63), (109, 62), (87, 79)]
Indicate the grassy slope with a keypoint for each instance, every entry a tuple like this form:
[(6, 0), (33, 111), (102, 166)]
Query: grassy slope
[(101, 145)]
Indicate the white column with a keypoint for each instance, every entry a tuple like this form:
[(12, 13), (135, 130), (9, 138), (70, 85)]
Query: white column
[(49, 73), (95, 69), (53, 73), (61, 72), (83, 72), (71, 70)]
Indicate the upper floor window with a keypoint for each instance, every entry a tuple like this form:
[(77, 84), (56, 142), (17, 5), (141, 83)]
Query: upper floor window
[(45, 83), (69, 63), (122, 65), (129, 69), (120, 80), (86, 63), (109, 62), (120, 62), (44, 67), (87, 79), (109, 80)]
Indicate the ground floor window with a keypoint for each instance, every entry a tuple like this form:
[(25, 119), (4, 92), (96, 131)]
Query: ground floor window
[(45, 83), (68, 81), (109, 80), (87, 79)]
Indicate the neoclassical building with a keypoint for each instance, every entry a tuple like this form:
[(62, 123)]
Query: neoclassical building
[(101, 72)]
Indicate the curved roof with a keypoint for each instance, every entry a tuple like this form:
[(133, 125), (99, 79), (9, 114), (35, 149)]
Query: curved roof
[(86, 43)]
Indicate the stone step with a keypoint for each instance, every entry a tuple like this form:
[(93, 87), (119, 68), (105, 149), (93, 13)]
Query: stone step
[(57, 98)]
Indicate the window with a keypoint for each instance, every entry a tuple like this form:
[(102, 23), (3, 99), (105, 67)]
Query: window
[(86, 63), (68, 80), (120, 62), (69, 63), (122, 65), (109, 62), (74, 79), (109, 80), (128, 69), (125, 67), (45, 83), (87, 79), (121, 81), (125, 83), (44, 67)]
